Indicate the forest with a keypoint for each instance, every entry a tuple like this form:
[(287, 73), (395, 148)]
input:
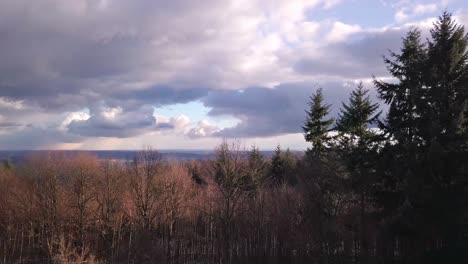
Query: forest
[(373, 186)]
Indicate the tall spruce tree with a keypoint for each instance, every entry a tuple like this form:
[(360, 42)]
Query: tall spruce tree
[(446, 79), (443, 108), (317, 125), (356, 139), (357, 150), (397, 164), (424, 155), (407, 69)]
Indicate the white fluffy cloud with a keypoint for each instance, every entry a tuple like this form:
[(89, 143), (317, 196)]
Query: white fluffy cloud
[(74, 116), (407, 10), (203, 129), (184, 127)]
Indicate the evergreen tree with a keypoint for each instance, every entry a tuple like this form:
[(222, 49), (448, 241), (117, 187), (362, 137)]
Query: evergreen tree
[(317, 126), (196, 176), (7, 165), (397, 164), (357, 151), (402, 96), (277, 167), (257, 166), (446, 81), (443, 105), (356, 139), (290, 167), (422, 162), (354, 118), (463, 124)]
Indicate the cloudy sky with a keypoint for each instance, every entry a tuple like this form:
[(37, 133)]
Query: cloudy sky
[(183, 74)]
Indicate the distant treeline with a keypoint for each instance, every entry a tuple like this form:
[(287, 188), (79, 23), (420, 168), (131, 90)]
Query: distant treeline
[(16, 156), (396, 193)]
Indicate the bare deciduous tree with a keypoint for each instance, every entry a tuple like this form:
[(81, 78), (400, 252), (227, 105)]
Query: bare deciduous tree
[(143, 186)]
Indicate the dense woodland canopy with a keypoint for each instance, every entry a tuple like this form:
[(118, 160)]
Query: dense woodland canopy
[(372, 187)]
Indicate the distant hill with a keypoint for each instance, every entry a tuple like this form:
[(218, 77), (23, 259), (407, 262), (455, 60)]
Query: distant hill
[(17, 155)]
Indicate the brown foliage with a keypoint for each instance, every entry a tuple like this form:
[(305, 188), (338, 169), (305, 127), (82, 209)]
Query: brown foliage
[(76, 208)]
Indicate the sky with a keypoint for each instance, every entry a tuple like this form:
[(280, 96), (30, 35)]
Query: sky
[(184, 74)]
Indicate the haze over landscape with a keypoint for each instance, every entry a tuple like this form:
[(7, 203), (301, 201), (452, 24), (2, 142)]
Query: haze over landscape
[(185, 74)]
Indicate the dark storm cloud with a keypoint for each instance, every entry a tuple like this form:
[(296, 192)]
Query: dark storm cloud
[(359, 57), (116, 122), (158, 95), (65, 56), (276, 111), (31, 137), (9, 125), (79, 52)]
